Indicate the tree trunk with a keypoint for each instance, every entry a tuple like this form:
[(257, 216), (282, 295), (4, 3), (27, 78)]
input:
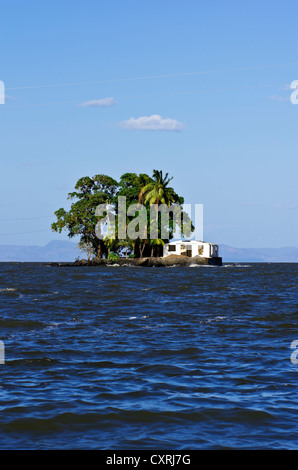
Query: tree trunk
[(142, 246)]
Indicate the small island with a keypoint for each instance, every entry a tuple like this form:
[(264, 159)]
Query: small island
[(132, 223)]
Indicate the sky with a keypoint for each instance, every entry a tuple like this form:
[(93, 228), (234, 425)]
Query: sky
[(198, 89)]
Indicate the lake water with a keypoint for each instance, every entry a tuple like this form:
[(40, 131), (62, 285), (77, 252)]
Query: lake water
[(149, 358)]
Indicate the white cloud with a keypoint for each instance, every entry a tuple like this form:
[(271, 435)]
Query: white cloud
[(105, 102), (152, 123)]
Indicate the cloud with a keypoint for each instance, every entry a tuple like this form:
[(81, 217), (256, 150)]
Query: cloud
[(104, 103), (152, 123)]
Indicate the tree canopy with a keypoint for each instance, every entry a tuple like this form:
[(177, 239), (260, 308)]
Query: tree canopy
[(141, 193)]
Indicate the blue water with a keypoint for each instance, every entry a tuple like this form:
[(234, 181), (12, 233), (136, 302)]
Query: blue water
[(148, 358)]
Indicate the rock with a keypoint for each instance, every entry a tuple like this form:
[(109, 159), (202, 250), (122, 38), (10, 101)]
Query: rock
[(172, 260)]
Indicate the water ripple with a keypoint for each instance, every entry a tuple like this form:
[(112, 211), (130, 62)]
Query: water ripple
[(148, 358)]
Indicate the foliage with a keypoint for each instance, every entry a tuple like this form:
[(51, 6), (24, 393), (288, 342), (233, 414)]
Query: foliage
[(157, 191), (86, 248), (81, 219), (112, 256), (139, 189), (155, 243)]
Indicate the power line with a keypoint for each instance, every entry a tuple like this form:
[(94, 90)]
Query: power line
[(25, 218), (23, 233), (150, 77), (174, 93)]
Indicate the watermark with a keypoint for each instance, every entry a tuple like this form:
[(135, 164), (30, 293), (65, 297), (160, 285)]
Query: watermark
[(2, 353), (170, 460), (294, 95), (2, 92), (294, 354), (157, 221)]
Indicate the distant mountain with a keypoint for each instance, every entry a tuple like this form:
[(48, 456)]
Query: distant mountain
[(56, 250), (59, 250), (254, 255)]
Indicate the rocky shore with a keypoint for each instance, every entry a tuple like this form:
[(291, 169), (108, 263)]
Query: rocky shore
[(172, 260)]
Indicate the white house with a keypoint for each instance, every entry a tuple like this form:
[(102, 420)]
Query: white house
[(191, 248)]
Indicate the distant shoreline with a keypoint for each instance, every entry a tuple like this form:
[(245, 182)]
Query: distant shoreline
[(66, 251)]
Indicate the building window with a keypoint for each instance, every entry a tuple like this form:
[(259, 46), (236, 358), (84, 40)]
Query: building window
[(213, 250), (172, 247)]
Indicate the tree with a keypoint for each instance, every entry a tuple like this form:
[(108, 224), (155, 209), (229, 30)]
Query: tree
[(126, 244), (155, 242), (86, 248), (81, 220), (157, 191), (141, 190), (130, 186)]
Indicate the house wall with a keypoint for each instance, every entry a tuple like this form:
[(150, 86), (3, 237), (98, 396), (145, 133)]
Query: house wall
[(195, 249), (166, 251), (209, 250), (206, 250)]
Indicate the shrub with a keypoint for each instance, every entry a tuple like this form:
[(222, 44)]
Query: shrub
[(113, 256)]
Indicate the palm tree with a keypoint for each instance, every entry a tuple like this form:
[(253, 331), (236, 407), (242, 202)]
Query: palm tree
[(157, 190), (144, 180), (110, 243), (155, 242), (124, 243)]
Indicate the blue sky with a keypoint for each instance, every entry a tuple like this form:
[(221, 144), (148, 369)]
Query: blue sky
[(83, 80)]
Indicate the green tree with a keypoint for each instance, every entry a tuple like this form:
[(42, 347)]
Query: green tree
[(126, 244), (155, 242), (130, 186), (157, 190), (81, 220), (86, 248)]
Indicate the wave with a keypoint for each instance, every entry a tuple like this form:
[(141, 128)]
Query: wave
[(234, 265)]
